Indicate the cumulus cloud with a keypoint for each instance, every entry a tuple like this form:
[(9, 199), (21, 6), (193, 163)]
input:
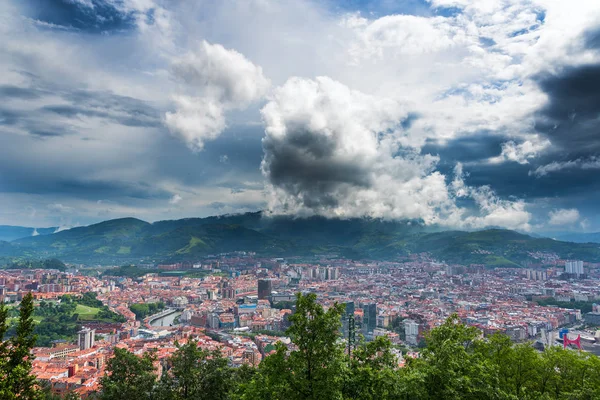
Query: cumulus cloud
[(215, 80), (563, 217), (196, 120), (333, 151), (492, 210), (522, 152), (405, 35), (485, 80)]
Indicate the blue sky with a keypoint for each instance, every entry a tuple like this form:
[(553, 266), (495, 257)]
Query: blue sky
[(461, 113)]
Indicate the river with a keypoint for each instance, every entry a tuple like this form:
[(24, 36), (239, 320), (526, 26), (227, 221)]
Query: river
[(167, 320)]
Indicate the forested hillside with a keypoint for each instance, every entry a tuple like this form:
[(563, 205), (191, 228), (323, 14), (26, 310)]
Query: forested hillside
[(129, 239)]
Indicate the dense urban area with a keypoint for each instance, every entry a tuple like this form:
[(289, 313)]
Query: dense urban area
[(241, 306)]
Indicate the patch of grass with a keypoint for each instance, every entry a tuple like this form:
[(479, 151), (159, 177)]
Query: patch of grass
[(194, 242), (124, 250), (86, 313)]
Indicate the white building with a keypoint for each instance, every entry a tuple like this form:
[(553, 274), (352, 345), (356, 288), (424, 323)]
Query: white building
[(86, 339), (574, 267), (411, 331)]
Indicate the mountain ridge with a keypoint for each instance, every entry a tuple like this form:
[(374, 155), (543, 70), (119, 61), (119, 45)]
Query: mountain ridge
[(133, 240)]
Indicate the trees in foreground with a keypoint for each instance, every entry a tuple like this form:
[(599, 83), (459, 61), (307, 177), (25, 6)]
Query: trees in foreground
[(16, 380), (457, 363)]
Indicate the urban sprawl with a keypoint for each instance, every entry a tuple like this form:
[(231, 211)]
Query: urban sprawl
[(242, 302)]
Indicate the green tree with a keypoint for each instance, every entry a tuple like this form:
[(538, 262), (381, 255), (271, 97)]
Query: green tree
[(128, 377), (372, 372), (450, 368), (21, 383), (314, 369), (4, 387), (197, 374)]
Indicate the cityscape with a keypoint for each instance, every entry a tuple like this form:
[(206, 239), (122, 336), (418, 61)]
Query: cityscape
[(299, 200), (242, 302)]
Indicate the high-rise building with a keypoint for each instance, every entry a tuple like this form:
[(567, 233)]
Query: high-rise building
[(86, 339), (574, 267), (411, 332), (265, 287), (348, 311), (369, 319)]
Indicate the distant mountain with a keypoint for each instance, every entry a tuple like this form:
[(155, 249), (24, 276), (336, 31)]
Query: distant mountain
[(132, 240), (581, 237), (9, 233)]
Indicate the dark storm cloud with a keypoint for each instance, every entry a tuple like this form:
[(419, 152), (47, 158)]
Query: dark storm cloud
[(104, 16), (571, 118), (302, 163)]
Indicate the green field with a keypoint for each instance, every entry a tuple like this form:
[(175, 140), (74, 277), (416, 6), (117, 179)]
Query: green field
[(86, 313)]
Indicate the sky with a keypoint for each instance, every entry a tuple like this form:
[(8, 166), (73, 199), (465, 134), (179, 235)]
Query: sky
[(464, 114)]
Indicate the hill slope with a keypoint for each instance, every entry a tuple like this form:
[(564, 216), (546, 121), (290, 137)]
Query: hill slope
[(132, 240)]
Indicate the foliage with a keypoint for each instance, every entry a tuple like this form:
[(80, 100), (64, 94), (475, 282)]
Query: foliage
[(197, 374), (16, 380), (130, 377), (142, 310), (584, 306), (129, 240), (90, 299), (61, 321), (456, 363), (284, 305), (314, 369), (51, 263)]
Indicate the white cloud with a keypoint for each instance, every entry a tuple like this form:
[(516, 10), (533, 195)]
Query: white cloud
[(59, 208), (176, 199), (464, 74), (563, 217), (492, 210), (521, 152), (333, 151), (196, 121), (396, 36), (216, 80), (556, 166)]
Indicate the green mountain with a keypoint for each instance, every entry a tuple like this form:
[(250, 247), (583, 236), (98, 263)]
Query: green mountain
[(132, 240)]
